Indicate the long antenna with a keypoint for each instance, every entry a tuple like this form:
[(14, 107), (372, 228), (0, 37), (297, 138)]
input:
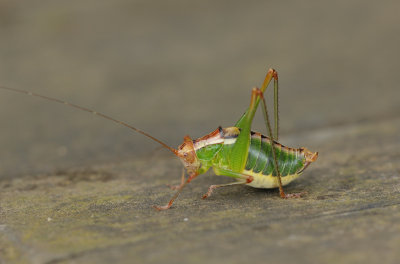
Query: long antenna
[(92, 112)]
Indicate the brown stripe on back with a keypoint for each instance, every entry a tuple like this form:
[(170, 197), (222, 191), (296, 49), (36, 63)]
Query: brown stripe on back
[(218, 136), (277, 144), (231, 132), (215, 134)]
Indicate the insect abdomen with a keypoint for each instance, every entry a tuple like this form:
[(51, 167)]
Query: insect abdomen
[(260, 158)]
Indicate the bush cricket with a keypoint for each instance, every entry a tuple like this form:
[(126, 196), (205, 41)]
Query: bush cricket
[(237, 152)]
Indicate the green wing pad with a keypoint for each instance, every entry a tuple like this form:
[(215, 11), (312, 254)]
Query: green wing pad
[(254, 151), (260, 158), (263, 158)]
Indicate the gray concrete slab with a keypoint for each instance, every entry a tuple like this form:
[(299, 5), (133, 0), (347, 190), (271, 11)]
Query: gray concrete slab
[(78, 189)]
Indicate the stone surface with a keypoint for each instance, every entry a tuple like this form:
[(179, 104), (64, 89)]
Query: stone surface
[(78, 189), (100, 214)]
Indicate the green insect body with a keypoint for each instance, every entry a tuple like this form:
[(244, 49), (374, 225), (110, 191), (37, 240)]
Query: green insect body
[(212, 151), (260, 163), (248, 157)]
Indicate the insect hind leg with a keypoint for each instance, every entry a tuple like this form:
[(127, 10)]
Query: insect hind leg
[(268, 125)]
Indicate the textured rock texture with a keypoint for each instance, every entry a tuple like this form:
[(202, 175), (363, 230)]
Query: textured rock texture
[(77, 189)]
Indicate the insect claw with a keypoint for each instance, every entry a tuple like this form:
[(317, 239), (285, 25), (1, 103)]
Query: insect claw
[(161, 208), (173, 187), (294, 195), (210, 190)]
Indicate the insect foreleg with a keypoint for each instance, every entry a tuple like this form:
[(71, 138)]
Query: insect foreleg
[(179, 189), (176, 187)]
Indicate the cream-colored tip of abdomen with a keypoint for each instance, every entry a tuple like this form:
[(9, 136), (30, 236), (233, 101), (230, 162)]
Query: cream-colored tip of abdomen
[(310, 156)]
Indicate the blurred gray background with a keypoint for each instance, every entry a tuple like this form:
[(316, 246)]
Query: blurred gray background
[(75, 188), (184, 67)]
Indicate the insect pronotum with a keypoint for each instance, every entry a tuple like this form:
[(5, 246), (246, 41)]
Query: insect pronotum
[(237, 152)]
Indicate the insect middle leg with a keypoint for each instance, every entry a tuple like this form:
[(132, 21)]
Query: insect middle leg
[(241, 179), (213, 187)]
